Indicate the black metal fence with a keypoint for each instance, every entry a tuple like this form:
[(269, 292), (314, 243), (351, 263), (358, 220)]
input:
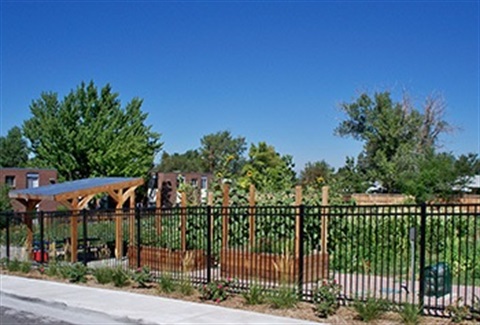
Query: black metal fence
[(426, 254)]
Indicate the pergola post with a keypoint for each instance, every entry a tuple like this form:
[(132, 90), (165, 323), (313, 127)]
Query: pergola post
[(132, 219), (74, 230), (29, 208)]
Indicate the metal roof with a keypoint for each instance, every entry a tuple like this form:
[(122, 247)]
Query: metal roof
[(75, 188)]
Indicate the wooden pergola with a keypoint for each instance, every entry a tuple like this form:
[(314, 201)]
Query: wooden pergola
[(75, 195)]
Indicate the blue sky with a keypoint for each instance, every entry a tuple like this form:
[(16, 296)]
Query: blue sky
[(268, 71)]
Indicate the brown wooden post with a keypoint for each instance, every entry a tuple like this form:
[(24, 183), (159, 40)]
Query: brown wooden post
[(30, 208), (251, 202), (183, 212), (298, 202), (324, 231), (118, 226), (225, 204), (131, 229), (74, 231), (158, 213)]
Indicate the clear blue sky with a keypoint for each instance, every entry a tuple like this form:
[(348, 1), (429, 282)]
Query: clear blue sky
[(269, 71)]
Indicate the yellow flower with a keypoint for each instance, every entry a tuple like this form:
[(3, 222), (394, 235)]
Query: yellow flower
[(230, 158), (249, 173), (320, 179)]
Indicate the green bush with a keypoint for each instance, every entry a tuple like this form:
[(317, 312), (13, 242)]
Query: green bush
[(74, 273), (25, 267), (216, 291), (186, 288), (166, 284), (325, 298), (52, 269), (120, 277), (14, 265), (255, 295), (284, 297), (142, 277), (371, 308), (103, 275), (410, 314)]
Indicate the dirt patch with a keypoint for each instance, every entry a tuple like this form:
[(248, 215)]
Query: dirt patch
[(303, 310)]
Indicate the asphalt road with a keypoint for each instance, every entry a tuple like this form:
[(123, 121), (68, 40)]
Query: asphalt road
[(10, 316)]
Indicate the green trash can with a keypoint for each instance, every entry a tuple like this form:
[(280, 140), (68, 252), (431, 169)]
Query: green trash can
[(438, 280)]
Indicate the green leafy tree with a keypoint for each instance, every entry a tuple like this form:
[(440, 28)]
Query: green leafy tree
[(316, 173), (395, 135), (222, 153), (88, 134), (13, 149), (267, 169), (190, 161)]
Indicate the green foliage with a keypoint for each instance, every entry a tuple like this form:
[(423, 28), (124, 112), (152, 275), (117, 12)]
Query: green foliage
[(222, 153), (166, 283), (316, 174), (5, 205), (370, 309), (283, 297), (14, 265), (216, 291), (185, 287), (103, 275), (267, 169), (53, 269), (14, 149), (255, 295), (142, 277), (190, 161), (410, 314), (88, 134), (25, 266), (120, 277), (74, 273), (325, 298)]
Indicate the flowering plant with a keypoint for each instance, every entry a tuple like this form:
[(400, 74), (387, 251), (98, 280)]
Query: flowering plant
[(142, 277), (216, 290), (325, 298)]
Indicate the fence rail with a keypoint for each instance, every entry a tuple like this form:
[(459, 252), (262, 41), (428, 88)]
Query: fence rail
[(425, 254)]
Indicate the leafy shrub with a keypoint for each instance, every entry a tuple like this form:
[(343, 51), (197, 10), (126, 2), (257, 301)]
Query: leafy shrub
[(284, 297), (142, 277), (371, 308), (14, 265), (255, 295), (166, 284), (120, 278), (74, 273), (25, 267), (186, 288), (52, 269), (103, 275), (325, 298), (216, 290), (410, 314)]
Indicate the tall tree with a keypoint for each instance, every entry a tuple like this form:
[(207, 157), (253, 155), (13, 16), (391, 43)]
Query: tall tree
[(13, 149), (394, 134), (222, 153), (190, 161), (316, 173), (89, 134), (267, 169)]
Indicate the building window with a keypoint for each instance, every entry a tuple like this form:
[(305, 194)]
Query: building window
[(10, 181), (194, 182), (204, 184), (32, 180)]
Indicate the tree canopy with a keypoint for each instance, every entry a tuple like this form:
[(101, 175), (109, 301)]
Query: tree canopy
[(190, 161), (13, 149), (89, 134)]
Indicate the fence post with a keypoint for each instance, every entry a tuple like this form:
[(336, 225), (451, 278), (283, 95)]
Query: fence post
[(209, 243), (300, 251), (42, 237), (423, 226), (85, 235), (7, 239), (139, 240)]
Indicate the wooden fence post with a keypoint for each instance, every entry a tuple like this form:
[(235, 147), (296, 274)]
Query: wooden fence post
[(324, 231), (251, 202), (225, 204), (183, 212), (298, 202), (158, 211)]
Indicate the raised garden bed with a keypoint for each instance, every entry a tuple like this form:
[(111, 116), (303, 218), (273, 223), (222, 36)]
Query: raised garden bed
[(243, 264), (165, 259)]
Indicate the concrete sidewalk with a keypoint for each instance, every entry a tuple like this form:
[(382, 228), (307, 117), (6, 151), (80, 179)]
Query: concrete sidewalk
[(136, 308)]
